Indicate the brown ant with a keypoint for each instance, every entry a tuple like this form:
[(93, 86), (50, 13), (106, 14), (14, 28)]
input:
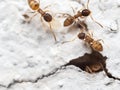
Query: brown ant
[(34, 5), (94, 44), (82, 14), (93, 68)]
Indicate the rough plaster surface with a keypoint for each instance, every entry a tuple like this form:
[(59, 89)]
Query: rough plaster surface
[(31, 60)]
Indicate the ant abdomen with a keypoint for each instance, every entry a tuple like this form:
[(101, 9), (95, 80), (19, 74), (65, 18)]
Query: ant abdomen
[(68, 21), (97, 46), (47, 17), (34, 5)]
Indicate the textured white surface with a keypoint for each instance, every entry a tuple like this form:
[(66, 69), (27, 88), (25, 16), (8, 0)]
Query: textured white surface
[(27, 51)]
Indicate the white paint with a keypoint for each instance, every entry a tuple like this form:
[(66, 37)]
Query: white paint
[(27, 51)]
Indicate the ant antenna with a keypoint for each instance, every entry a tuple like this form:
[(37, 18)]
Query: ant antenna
[(100, 40), (91, 15), (88, 4), (32, 17), (39, 1), (70, 40), (49, 6), (95, 21)]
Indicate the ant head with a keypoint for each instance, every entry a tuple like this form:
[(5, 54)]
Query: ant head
[(81, 35), (47, 17), (68, 21), (86, 12)]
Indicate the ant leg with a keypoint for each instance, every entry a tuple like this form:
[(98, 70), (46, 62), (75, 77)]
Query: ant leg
[(49, 6), (87, 69), (104, 43), (32, 17), (42, 21), (64, 15), (95, 21), (69, 40), (82, 25), (102, 67), (30, 11), (52, 32), (55, 24), (46, 10), (100, 40), (79, 1)]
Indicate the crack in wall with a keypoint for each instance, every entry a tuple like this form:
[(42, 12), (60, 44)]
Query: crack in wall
[(14, 82), (117, 27), (2, 86), (81, 62)]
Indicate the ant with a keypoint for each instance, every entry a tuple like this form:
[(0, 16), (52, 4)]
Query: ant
[(94, 44), (34, 5), (94, 68), (82, 14)]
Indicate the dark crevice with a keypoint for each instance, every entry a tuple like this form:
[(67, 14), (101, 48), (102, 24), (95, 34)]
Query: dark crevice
[(110, 75), (109, 83), (118, 6), (111, 30), (90, 62)]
